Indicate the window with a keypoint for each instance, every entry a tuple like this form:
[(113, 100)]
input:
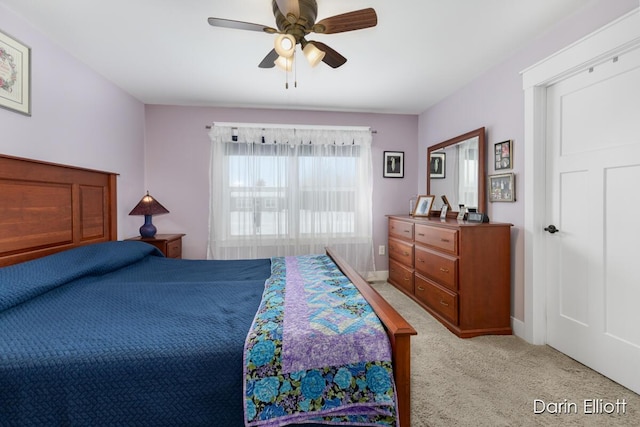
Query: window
[(263, 183), (279, 196)]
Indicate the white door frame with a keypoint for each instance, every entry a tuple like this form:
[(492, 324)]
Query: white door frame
[(612, 40)]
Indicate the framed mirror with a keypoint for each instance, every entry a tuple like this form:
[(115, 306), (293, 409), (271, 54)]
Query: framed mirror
[(456, 169)]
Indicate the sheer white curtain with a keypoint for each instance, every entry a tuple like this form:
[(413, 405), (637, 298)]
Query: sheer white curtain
[(291, 191)]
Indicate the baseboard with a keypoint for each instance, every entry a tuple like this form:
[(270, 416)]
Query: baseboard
[(377, 276), (518, 328)]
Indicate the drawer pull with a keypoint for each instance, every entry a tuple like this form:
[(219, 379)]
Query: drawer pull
[(406, 231), (421, 234), (444, 303), (406, 279), (420, 288), (444, 270), (445, 240), (406, 253), (421, 260)]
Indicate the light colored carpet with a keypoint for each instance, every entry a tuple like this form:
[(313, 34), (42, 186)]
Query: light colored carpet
[(494, 380)]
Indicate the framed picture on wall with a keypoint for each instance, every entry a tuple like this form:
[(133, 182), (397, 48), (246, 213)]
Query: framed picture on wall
[(503, 155), (502, 188), (393, 164), (437, 165), (15, 75)]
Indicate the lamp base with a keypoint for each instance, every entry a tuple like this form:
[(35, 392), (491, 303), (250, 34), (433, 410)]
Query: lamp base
[(148, 230)]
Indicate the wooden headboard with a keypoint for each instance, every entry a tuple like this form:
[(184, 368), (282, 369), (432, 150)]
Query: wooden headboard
[(47, 208)]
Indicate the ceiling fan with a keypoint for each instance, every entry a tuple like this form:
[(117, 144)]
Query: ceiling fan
[(295, 20)]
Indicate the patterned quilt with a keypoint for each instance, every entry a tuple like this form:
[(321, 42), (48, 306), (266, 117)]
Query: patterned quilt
[(316, 351)]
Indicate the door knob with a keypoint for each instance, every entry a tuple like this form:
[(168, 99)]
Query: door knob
[(551, 229)]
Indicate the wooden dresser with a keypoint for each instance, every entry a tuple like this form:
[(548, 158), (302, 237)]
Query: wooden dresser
[(459, 272)]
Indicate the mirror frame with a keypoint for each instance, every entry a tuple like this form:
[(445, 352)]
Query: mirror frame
[(482, 160)]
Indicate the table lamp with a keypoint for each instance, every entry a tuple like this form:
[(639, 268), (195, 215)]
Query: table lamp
[(148, 206)]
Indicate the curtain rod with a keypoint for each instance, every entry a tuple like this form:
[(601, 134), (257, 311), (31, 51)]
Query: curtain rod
[(273, 126)]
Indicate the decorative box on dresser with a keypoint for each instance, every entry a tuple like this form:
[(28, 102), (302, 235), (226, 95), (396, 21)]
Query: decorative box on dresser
[(460, 272)]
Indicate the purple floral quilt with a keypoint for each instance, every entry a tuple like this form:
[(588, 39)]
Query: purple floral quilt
[(316, 352)]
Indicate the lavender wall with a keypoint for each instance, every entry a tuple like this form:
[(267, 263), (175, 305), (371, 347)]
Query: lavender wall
[(78, 118), (177, 163), (496, 101)]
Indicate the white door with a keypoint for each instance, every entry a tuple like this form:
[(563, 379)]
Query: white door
[(593, 199)]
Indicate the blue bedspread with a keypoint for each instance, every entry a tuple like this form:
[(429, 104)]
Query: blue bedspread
[(116, 334)]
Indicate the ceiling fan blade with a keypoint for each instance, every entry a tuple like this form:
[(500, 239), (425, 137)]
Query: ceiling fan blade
[(288, 6), (350, 21), (240, 25), (331, 57), (267, 62)]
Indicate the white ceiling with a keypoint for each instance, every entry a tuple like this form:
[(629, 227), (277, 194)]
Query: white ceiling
[(165, 52)]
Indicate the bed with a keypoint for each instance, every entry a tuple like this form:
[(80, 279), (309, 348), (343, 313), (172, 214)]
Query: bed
[(104, 332)]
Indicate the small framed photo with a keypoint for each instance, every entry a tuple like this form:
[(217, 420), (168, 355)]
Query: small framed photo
[(15, 75), (437, 165), (503, 155), (443, 212), (423, 205), (393, 164), (502, 188), (462, 213), (445, 201)]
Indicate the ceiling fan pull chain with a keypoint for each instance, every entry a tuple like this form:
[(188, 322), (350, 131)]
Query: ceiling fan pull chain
[(286, 72)]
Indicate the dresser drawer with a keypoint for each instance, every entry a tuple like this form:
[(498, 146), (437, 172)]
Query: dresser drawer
[(439, 267), (401, 276), (401, 229), (174, 249), (443, 239), (444, 302), (401, 251)]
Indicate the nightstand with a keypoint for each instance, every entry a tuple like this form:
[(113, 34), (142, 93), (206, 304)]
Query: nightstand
[(169, 244)]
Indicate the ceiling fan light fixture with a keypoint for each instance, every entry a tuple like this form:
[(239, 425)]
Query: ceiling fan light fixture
[(284, 63), (295, 19), (285, 45), (313, 54)]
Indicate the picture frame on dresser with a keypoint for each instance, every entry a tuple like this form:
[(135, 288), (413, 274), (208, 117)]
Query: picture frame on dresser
[(423, 205), (443, 211)]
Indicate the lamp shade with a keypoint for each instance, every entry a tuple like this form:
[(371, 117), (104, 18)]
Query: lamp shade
[(284, 63), (313, 54), (148, 206), (285, 45)]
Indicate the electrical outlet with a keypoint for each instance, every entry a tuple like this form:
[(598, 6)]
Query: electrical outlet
[(381, 250)]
